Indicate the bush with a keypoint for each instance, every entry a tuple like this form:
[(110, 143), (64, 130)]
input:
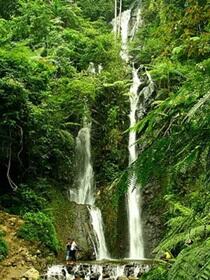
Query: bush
[(3, 247), (39, 227), (31, 201), (157, 273), (25, 200)]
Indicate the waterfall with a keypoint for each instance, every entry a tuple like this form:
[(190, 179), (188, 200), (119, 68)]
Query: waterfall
[(97, 222), (85, 188), (84, 191), (137, 111), (134, 196), (124, 24)]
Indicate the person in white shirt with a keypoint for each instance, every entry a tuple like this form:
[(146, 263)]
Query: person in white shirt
[(73, 250)]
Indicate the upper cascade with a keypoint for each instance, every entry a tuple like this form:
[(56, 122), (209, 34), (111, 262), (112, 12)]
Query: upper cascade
[(126, 25), (84, 191)]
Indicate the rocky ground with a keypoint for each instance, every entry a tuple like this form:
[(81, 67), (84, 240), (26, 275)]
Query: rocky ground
[(25, 259)]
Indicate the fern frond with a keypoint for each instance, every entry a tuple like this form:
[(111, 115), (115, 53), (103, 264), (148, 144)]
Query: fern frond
[(192, 263), (66, 136), (204, 273), (186, 163), (174, 239), (194, 109)]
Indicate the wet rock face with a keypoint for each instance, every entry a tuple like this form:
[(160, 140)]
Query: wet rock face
[(152, 212), (76, 224), (96, 272)]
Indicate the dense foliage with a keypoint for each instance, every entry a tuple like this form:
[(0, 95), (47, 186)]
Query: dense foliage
[(38, 227), (51, 56), (173, 43)]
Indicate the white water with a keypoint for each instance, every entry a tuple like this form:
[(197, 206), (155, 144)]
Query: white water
[(85, 188), (136, 250), (97, 222), (124, 24), (136, 246), (84, 191), (88, 271)]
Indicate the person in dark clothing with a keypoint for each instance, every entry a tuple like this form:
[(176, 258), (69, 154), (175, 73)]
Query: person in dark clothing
[(68, 251)]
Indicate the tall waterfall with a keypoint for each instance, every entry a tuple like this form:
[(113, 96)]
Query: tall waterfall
[(134, 196), (136, 246), (85, 188)]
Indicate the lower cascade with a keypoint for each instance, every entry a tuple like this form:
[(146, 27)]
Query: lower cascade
[(97, 222), (83, 193), (89, 271)]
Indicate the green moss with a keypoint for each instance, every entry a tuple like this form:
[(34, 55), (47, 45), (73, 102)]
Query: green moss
[(64, 215)]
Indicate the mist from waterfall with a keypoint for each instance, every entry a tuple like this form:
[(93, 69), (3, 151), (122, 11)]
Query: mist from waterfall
[(84, 192)]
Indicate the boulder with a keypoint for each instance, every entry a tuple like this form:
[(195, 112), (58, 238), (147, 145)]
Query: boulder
[(132, 278), (12, 221), (31, 274), (122, 278)]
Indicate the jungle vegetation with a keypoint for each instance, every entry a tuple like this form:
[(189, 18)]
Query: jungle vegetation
[(174, 44), (47, 86)]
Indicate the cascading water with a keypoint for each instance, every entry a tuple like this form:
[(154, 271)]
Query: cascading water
[(124, 24), (97, 222), (134, 196), (88, 271), (137, 110), (84, 193)]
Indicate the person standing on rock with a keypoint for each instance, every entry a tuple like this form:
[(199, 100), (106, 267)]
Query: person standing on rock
[(73, 251), (68, 251)]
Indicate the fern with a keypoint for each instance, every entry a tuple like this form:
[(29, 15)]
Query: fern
[(192, 263), (194, 109), (66, 136), (188, 162), (204, 273)]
